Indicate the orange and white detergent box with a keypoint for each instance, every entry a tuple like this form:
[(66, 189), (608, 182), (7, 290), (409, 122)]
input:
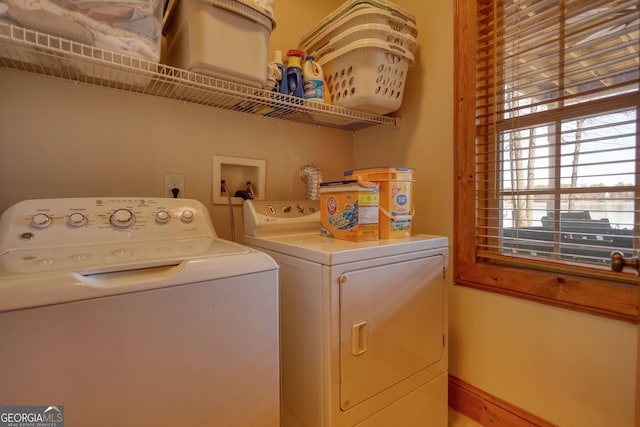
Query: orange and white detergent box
[(349, 210)]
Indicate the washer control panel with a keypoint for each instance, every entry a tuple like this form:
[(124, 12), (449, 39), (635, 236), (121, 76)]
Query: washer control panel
[(51, 223)]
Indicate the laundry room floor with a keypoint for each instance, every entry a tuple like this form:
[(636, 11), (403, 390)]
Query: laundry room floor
[(456, 419)]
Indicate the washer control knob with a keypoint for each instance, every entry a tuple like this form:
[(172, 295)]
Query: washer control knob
[(122, 218), (77, 219), (41, 220), (187, 215), (162, 217)]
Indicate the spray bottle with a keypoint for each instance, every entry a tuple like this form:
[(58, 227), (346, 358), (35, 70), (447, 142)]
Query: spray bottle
[(294, 73)]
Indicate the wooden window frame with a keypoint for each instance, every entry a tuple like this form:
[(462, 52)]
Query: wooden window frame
[(535, 282)]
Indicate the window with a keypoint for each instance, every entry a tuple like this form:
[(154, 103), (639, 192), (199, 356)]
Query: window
[(547, 154)]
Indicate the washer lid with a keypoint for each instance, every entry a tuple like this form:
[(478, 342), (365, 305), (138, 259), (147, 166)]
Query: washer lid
[(108, 257), (328, 251), (56, 282)]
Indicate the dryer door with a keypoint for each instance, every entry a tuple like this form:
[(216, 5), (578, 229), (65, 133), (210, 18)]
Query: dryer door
[(391, 325)]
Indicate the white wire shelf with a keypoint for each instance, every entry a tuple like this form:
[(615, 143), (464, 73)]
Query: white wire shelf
[(44, 54)]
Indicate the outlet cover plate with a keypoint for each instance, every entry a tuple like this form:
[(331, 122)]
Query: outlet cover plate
[(171, 181)]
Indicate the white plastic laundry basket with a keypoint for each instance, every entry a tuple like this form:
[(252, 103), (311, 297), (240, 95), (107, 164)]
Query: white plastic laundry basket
[(366, 31), (357, 12), (367, 75)]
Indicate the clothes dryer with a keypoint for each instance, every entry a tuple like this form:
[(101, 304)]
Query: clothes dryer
[(131, 312), (363, 324)]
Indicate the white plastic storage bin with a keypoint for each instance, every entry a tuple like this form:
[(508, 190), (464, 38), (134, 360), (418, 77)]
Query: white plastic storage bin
[(132, 28), (226, 39), (367, 75), (366, 31)]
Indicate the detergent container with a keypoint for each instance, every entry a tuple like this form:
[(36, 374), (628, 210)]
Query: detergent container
[(349, 210), (396, 198), (313, 80), (294, 73)]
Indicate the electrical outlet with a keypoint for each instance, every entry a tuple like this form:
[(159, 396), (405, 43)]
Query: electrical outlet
[(171, 181)]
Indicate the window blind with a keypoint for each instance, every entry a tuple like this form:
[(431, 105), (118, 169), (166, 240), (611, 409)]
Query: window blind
[(557, 155)]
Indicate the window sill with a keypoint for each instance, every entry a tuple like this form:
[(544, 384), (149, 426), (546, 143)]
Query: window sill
[(594, 296)]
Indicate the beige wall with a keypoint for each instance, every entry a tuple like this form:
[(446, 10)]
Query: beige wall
[(571, 368), (58, 139)]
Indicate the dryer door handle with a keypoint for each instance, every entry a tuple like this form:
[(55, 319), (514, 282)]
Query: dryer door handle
[(359, 335)]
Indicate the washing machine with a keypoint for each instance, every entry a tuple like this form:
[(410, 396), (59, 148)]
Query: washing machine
[(131, 312), (363, 325)]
